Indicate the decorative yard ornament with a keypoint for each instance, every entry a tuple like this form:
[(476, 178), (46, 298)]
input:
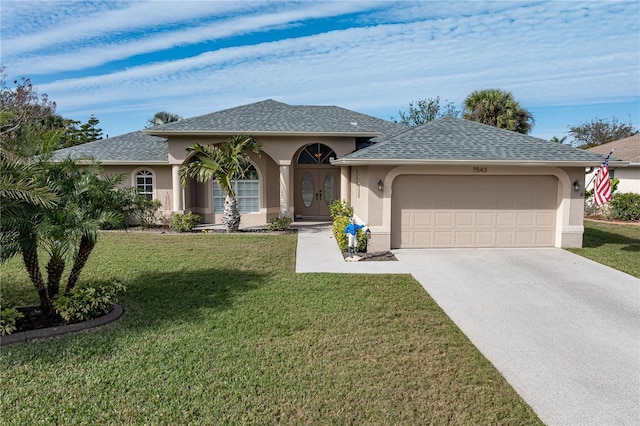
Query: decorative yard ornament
[(352, 230)]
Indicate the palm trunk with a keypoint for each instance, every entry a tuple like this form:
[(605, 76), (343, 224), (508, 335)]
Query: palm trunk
[(30, 258), (55, 267), (231, 218), (86, 246)]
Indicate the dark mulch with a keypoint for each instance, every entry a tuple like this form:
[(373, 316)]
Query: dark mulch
[(34, 319), (380, 256)]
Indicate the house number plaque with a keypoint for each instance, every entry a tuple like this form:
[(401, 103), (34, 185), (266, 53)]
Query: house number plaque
[(477, 169)]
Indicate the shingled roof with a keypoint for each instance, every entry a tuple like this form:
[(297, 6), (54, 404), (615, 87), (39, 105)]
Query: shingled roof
[(133, 147), (451, 140), (273, 117), (627, 149)]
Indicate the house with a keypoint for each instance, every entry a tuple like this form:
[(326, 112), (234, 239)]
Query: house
[(628, 150), (447, 183)]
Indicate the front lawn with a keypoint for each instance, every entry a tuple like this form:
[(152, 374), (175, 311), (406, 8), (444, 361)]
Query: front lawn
[(615, 245), (219, 329)]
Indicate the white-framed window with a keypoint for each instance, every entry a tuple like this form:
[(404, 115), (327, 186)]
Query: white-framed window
[(144, 183), (247, 193)]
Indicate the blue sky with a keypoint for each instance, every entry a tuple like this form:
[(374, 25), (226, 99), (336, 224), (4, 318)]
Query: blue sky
[(567, 62)]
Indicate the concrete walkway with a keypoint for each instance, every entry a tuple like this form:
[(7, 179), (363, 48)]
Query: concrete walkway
[(563, 330)]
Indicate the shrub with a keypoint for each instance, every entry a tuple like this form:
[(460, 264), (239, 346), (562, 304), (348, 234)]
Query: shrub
[(625, 206), (85, 303), (340, 208), (341, 211), (184, 222), (135, 208), (8, 317), (279, 223)]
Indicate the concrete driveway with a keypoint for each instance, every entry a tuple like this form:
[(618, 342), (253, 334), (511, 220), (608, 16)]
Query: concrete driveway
[(563, 330)]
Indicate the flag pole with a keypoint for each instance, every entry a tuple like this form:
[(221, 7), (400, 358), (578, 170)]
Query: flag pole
[(596, 175)]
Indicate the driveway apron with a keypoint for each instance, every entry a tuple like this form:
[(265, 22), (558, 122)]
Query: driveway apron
[(563, 330)]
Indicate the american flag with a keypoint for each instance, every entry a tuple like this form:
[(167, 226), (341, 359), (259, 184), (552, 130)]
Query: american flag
[(602, 189)]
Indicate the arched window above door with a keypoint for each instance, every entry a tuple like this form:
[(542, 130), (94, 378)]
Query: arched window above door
[(316, 153)]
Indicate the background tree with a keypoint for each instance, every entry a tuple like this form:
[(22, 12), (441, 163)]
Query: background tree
[(23, 118), (600, 131), (162, 117), (78, 133), (426, 110), (497, 108), (224, 162), (29, 125), (558, 140)]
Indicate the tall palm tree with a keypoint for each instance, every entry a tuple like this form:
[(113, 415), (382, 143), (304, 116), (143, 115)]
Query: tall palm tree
[(224, 162), (497, 108)]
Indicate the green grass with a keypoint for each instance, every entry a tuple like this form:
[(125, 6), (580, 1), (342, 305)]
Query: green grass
[(613, 245), (219, 329)]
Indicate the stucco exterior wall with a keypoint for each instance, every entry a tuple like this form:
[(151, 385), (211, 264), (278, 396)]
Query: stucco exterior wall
[(276, 168), (629, 179), (377, 210)]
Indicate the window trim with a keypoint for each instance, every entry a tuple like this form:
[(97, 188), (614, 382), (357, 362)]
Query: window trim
[(152, 175), (215, 187)]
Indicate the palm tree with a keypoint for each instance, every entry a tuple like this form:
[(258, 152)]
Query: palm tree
[(558, 140), (497, 108), (66, 231), (224, 162), (161, 118), (22, 200)]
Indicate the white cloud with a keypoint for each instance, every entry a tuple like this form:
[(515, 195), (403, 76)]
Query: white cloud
[(547, 53)]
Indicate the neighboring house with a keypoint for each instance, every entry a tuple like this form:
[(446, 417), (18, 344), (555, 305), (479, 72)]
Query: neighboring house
[(448, 183), (628, 150)]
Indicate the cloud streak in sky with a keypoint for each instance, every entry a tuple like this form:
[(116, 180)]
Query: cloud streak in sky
[(196, 57)]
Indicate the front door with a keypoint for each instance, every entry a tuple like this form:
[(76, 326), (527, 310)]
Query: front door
[(316, 188)]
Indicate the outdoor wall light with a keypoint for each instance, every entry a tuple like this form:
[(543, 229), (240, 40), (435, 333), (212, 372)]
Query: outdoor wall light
[(380, 185), (576, 185)]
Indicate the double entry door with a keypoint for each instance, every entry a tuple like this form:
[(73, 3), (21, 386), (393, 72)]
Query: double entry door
[(316, 188)]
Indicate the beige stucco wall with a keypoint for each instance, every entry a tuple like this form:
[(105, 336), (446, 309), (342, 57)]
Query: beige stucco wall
[(161, 178), (374, 208), (279, 155)]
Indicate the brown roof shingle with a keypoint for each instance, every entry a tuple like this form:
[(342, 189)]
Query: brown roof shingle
[(627, 149)]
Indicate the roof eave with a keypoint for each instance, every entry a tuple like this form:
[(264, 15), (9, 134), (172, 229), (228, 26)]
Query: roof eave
[(86, 161), (478, 162), (167, 133)]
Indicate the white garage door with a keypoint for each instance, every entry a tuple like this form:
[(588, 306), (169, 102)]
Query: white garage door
[(473, 211)]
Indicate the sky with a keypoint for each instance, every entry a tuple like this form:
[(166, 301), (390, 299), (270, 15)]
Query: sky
[(567, 62)]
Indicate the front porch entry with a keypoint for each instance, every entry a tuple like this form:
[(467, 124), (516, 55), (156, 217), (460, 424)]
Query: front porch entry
[(316, 182)]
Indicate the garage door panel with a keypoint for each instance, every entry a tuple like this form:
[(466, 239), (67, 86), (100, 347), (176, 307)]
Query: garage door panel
[(421, 218), (443, 219), (545, 219), (474, 211), (485, 239), (485, 219), (422, 238), (544, 238), (525, 238), (464, 238), (505, 238), (525, 219), (442, 239), (464, 219), (504, 219)]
